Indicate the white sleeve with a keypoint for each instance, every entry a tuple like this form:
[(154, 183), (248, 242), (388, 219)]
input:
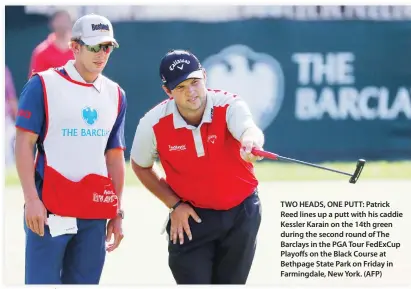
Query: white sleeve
[(239, 118), (144, 149)]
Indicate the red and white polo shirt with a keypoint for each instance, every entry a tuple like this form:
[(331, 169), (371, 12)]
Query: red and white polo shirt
[(202, 164)]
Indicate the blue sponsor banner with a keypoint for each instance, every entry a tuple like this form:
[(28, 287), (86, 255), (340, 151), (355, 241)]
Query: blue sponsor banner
[(333, 90)]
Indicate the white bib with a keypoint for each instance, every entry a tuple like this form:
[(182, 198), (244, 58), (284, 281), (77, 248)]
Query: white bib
[(79, 123)]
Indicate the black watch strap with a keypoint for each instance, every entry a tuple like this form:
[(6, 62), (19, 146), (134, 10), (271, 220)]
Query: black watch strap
[(175, 206)]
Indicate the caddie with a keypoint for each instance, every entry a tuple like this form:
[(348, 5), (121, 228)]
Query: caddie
[(75, 117)]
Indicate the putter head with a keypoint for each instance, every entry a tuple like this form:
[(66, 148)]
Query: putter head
[(360, 165)]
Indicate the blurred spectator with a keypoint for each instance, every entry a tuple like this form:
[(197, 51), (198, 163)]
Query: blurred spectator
[(10, 113), (54, 51)]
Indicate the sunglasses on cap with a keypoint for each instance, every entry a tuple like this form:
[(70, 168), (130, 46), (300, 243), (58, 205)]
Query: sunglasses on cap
[(107, 48)]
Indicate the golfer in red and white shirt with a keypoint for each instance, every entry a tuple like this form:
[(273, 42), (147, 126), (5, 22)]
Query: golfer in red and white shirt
[(203, 139)]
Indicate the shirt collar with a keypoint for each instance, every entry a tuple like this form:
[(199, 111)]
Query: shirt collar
[(74, 75), (179, 121)]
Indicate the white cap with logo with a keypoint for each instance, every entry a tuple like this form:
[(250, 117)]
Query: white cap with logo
[(93, 29)]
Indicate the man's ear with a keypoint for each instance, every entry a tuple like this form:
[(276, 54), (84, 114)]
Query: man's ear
[(167, 91), (74, 46)]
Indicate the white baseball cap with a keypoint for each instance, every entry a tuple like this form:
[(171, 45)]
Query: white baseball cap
[(93, 29)]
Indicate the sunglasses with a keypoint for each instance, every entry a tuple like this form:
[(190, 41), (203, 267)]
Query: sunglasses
[(107, 48)]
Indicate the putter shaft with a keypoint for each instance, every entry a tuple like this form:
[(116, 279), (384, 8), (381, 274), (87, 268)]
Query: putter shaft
[(273, 156), (313, 165)]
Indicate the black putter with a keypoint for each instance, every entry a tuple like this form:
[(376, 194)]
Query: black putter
[(354, 177)]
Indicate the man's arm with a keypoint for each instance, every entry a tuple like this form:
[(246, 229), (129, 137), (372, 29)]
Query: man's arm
[(115, 160), (156, 184), (243, 128), (116, 168), (35, 212), (255, 134), (29, 124), (143, 154), (25, 141)]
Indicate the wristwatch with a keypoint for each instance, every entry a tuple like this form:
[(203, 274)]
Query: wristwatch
[(120, 213), (175, 206)]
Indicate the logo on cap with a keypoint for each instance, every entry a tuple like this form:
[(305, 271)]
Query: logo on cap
[(178, 61), (101, 27), (177, 65)]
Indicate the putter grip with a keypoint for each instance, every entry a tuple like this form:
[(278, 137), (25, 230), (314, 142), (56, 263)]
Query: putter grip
[(357, 172), (264, 154)]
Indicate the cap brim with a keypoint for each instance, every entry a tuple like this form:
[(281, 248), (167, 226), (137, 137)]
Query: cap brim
[(99, 39), (195, 74)]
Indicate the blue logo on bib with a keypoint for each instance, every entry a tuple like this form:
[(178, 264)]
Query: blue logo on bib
[(90, 115)]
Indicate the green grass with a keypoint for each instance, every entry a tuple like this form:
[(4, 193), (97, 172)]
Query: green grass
[(293, 172), (276, 171)]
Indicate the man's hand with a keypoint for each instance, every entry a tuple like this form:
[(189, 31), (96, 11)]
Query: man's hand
[(251, 138), (114, 227), (179, 223), (36, 216)]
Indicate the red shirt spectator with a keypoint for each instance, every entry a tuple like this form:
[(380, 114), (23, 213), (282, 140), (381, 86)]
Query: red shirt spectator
[(54, 51), (47, 54)]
